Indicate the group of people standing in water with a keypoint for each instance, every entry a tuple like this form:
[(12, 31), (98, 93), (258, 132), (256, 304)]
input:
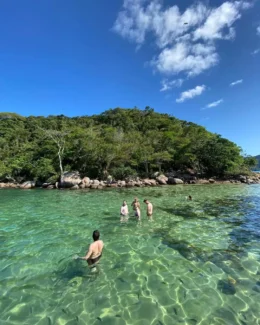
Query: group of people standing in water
[(124, 212), (94, 252)]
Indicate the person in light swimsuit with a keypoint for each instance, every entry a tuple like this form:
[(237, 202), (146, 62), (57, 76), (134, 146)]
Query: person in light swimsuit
[(95, 250), (124, 212), (137, 208)]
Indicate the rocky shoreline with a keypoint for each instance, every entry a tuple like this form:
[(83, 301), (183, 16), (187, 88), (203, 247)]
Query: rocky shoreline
[(73, 181)]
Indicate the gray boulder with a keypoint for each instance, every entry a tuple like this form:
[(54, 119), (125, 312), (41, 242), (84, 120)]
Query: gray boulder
[(155, 175), (121, 183), (86, 180), (174, 181), (130, 183), (147, 182), (203, 181), (75, 187), (27, 185), (250, 181), (242, 178), (45, 185), (153, 182), (211, 180), (192, 182), (162, 179), (70, 179)]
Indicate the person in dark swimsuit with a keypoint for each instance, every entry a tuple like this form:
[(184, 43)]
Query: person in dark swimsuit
[(95, 250)]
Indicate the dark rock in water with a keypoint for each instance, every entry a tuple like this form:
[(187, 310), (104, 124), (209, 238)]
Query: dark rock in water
[(226, 287), (256, 288)]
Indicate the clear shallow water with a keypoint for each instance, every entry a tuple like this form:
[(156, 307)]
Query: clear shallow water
[(197, 263)]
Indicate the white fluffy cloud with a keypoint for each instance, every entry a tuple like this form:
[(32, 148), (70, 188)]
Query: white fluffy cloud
[(185, 41), (169, 84), (214, 104), (255, 51), (184, 57), (258, 30), (237, 82), (189, 94)]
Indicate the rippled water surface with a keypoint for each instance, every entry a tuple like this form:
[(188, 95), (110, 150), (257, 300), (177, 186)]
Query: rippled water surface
[(198, 262)]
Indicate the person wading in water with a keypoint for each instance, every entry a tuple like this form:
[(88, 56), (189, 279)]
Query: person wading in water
[(137, 208), (95, 250)]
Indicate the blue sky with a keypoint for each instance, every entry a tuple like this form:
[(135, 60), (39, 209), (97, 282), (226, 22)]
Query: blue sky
[(179, 57)]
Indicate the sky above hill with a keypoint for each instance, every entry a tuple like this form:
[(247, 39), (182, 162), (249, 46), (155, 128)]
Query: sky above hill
[(198, 61)]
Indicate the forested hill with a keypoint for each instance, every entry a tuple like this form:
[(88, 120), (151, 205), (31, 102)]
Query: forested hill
[(120, 142), (257, 167)]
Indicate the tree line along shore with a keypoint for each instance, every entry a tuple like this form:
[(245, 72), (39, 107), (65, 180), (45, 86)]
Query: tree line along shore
[(117, 148)]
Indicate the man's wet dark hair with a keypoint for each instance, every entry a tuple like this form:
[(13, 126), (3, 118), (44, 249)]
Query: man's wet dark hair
[(145, 200), (96, 235)]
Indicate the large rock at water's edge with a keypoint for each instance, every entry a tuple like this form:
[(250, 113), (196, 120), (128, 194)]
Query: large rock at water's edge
[(130, 184), (9, 185), (138, 183), (27, 185), (203, 181), (162, 179), (153, 182), (70, 179), (174, 181), (147, 182), (242, 178), (212, 180), (112, 185), (121, 183), (75, 187), (86, 181), (250, 181)]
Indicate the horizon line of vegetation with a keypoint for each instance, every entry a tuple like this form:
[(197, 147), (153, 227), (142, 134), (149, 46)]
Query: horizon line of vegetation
[(118, 142)]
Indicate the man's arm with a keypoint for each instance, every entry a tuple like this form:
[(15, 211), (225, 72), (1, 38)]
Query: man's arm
[(87, 255), (150, 208)]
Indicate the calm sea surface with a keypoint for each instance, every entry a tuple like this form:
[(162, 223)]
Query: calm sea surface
[(197, 263)]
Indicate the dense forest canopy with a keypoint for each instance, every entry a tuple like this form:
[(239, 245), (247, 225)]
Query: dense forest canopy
[(257, 167), (119, 142)]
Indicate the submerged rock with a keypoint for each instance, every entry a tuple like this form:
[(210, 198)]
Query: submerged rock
[(226, 287)]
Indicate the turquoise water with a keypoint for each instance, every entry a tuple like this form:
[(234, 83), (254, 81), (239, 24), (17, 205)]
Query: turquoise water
[(198, 262)]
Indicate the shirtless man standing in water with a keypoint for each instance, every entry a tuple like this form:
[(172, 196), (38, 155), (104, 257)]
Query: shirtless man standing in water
[(95, 250), (137, 208), (149, 210)]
